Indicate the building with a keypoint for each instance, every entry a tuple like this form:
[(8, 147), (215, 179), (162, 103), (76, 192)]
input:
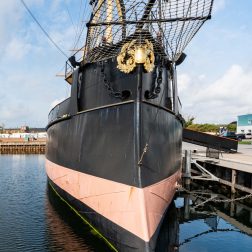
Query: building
[(244, 123), (24, 129), (23, 132)]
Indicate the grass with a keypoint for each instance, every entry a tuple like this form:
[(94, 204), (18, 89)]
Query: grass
[(245, 142)]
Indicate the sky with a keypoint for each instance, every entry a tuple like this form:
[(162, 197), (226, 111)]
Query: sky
[(214, 82)]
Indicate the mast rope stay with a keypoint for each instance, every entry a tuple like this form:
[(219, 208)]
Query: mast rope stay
[(42, 29)]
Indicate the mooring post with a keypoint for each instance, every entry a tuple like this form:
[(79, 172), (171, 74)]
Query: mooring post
[(186, 207), (187, 168), (232, 206), (250, 217), (233, 181)]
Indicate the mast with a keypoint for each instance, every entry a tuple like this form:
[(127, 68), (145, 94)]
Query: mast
[(122, 16), (146, 14), (108, 33)]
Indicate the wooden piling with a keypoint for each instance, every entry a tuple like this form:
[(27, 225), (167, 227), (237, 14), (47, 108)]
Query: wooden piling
[(233, 181), (187, 168)]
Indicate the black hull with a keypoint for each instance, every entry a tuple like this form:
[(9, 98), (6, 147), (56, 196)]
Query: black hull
[(114, 137)]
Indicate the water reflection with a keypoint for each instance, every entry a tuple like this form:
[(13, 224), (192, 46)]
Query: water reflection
[(210, 227), (34, 219), (66, 231), (213, 226)]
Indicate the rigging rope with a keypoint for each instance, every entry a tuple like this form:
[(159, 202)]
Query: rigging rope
[(169, 25), (81, 25), (42, 29), (71, 19)]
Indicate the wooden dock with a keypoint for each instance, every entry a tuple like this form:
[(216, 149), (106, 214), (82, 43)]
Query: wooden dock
[(232, 170), (33, 147)]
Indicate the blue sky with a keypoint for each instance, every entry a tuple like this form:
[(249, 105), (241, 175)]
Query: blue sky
[(215, 81)]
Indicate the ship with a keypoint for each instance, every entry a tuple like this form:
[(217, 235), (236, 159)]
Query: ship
[(114, 146)]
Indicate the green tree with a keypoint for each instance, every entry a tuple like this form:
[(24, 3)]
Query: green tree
[(189, 121), (231, 127)]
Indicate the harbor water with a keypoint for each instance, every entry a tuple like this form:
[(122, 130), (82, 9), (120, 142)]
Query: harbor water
[(33, 218)]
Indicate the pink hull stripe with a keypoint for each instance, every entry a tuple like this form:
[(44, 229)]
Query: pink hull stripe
[(138, 210)]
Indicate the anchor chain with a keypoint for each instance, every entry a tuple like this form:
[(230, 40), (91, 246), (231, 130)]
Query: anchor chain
[(159, 79), (233, 200), (107, 84), (214, 199)]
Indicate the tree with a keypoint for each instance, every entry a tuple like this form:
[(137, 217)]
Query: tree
[(189, 121), (232, 127)]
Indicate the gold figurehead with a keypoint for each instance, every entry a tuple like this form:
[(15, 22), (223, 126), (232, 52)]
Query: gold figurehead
[(133, 53)]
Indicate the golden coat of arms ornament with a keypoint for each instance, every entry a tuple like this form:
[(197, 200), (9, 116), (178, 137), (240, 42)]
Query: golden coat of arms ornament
[(133, 53)]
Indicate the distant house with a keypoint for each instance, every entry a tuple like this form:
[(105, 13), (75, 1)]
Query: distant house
[(24, 129), (244, 124)]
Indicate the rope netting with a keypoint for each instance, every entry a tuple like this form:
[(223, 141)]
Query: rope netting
[(168, 24)]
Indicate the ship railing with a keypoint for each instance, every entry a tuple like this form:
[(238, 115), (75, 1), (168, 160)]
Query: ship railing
[(68, 72), (59, 111)]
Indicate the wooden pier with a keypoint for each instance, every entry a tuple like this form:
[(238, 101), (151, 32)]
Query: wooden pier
[(232, 170), (33, 147)]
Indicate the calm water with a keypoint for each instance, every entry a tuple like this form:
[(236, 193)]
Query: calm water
[(33, 219)]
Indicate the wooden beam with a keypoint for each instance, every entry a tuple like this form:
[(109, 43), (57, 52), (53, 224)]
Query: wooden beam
[(122, 16), (109, 20)]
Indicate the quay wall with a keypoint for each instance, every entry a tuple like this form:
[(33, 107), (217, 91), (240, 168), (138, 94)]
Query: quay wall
[(19, 146)]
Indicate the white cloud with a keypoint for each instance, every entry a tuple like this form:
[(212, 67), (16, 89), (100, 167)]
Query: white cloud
[(183, 80), (10, 15), (222, 100), (17, 49), (16, 111)]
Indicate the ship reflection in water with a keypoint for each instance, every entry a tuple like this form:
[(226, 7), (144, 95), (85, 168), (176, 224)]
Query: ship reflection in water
[(67, 232), (186, 228)]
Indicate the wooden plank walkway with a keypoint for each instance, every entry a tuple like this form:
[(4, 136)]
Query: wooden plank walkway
[(242, 160)]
